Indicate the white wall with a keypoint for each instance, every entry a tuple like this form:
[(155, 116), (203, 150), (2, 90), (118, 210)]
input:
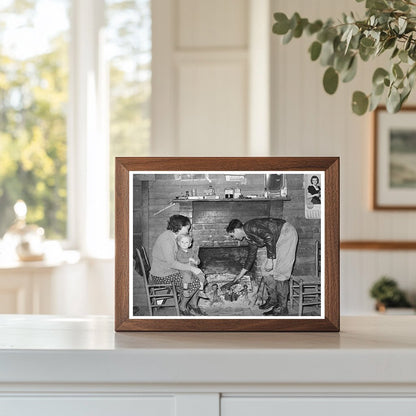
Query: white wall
[(306, 121), (211, 92)]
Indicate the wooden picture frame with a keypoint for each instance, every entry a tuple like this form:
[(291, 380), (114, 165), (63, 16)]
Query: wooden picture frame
[(148, 187), (394, 158)]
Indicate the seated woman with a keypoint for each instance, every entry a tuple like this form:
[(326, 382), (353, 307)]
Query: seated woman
[(166, 269)]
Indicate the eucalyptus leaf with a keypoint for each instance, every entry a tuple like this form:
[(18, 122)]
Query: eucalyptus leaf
[(341, 62), (379, 75), (314, 27), (395, 52), (397, 71), (374, 102), (298, 30), (359, 103), (403, 56), (389, 43), (327, 53), (339, 44), (393, 101), (376, 4), (367, 42), (281, 26), (315, 50), (288, 37), (330, 80), (408, 42), (402, 22), (350, 73), (378, 89)]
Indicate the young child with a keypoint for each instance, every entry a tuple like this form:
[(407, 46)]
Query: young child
[(186, 255)]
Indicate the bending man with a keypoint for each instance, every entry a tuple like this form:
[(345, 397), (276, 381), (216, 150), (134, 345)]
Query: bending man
[(280, 239)]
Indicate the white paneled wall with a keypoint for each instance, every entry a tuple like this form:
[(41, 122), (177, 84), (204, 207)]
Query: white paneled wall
[(203, 66), (307, 121), (223, 86)]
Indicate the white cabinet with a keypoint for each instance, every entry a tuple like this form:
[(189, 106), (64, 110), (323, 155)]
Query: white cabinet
[(79, 366), (324, 406), (88, 406)]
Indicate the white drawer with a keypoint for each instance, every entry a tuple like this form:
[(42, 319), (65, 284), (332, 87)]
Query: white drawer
[(270, 406), (87, 406)]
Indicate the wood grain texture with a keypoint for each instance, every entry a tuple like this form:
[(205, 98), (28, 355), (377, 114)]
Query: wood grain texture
[(378, 245), (328, 164)]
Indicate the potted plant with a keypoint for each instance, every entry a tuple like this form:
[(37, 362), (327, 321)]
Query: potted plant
[(387, 294), (389, 27)]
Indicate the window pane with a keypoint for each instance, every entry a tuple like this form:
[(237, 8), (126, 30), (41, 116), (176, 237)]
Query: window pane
[(33, 99), (129, 46)]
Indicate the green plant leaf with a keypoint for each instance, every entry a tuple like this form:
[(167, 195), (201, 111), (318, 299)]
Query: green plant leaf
[(403, 56), (330, 80), (378, 89), (393, 101), (389, 43), (374, 101), (288, 37), (376, 4), (281, 27), (402, 22), (395, 52), (397, 71), (408, 42), (359, 103), (351, 71), (367, 42), (379, 75), (314, 27), (327, 53), (341, 61), (315, 50)]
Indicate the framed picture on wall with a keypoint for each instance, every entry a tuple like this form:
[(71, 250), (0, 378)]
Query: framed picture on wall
[(227, 244), (394, 177)]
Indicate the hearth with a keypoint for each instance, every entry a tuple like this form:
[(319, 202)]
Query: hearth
[(220, 260)]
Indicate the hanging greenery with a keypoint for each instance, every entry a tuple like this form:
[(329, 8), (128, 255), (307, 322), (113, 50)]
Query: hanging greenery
[(389, 27)]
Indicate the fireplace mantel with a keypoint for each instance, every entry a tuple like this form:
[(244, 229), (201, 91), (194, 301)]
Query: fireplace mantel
[(187, 201)]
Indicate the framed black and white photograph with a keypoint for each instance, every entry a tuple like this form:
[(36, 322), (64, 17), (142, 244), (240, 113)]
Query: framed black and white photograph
[(233, 244), (394, 178)]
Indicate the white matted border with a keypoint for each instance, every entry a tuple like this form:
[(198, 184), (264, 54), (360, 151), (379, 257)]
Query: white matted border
[(385, 195), (223, 172)]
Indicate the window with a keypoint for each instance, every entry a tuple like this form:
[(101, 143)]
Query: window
[(75, 87), (33, 97), (129, 46)]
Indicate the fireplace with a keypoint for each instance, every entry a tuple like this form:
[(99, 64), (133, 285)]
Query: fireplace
[(222, 259)]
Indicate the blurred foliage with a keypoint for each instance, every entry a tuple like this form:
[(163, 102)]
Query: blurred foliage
[(387, 292), (33, 98), (33, 107), (389, 27), (129, 36)]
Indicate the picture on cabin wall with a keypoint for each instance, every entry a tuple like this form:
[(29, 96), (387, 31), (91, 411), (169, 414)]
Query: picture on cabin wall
[(394, 178), (213, 249), (313, 189)]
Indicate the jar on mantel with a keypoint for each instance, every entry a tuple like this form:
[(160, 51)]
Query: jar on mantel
[(25, 241)]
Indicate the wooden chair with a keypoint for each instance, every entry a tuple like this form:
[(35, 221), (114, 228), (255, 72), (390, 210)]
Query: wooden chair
[(306, 290), (158, 295)]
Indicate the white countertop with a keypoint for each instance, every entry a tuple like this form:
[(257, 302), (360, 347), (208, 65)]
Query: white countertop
[(53, 349)]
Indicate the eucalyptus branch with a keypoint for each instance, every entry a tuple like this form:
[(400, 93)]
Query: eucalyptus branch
[(388, 26)]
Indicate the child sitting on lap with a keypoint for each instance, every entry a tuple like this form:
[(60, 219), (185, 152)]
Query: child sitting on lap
[(187, 256)]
